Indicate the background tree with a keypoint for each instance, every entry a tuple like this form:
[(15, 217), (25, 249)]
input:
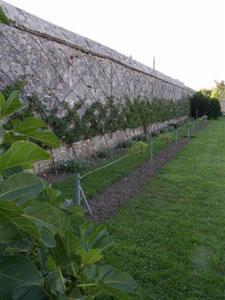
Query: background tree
[(219, 90)]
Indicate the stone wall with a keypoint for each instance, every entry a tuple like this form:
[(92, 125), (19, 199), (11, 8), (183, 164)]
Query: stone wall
[(59, 65), (87, 148)]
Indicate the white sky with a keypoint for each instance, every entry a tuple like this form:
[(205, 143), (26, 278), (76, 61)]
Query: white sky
[(187, 37)]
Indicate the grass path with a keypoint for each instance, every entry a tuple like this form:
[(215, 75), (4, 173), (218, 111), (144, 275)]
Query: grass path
[(171, 238)]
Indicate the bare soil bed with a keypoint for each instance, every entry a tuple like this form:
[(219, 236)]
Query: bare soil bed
[(105, 204)]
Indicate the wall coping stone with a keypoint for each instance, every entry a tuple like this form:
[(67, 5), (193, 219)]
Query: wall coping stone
[(39, 27)]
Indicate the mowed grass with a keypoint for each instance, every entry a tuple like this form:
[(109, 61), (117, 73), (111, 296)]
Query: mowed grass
[(171, 238), (100, 180)]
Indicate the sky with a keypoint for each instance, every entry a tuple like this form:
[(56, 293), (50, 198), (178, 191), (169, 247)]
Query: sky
[(187, 37)]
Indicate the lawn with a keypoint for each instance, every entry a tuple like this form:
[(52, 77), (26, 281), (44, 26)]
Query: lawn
[(171, 238), (100, 180)]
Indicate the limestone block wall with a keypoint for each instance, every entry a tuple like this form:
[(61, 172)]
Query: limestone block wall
[(59, 65), (87, 148)]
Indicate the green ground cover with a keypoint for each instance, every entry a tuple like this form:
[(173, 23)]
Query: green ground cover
[(171, 238), (98, 181)]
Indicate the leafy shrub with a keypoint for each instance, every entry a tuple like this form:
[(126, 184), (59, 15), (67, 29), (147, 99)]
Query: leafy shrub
[(127, 144), (163, 130), (155, 133), (139, 150), (73, 165), (204, 105), (47, 249), (140, 137), (166, 138), (171, 128), (104, 154), (104, 118)]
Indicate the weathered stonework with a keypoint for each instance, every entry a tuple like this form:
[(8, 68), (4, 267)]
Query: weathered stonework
[(60, 65), (86, 148)]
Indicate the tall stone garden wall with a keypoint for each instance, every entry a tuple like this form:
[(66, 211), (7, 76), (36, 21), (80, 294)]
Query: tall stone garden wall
[(60, 66)]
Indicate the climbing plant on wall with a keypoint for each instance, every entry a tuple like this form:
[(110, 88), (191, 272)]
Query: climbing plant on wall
[(70, 125), (102, 118)]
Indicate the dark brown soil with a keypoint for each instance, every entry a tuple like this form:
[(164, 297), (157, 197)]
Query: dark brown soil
[(107, 203)]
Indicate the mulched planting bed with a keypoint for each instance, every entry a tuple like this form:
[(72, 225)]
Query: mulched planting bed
[(106, 204)]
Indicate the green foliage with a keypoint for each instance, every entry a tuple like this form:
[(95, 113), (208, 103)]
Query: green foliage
[(163, 130), (140, 137), (33, 128), (104, 118), (219, 90), (73, 166), (171, 128), (204, 105), (127, 144), (20, 186), (104, 154), (139, 150), (47, 248), (3, 18), (30, 153), (169, 236), (155, 133)]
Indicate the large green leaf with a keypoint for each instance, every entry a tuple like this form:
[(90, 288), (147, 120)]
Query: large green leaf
[(47, 215), (11, 213), (65, 253), (9, 232), (91, 256), (3, 17), (54, 285), (11, 105), (31, 127), (93, 236), (10, 209), (16, 271), (2, 100), (60, 255), (2, 134), (122, 281), (46, 137), (21, 187), (28, 125), (29, 292), (107, 276), (47, 238), (72, 244), (22, 152), (19, 245)]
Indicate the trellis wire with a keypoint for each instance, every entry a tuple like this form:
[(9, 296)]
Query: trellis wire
[(33, 70), (103, 167)]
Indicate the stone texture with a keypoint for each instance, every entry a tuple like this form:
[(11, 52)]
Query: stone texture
[(86, 148), (60, 65)]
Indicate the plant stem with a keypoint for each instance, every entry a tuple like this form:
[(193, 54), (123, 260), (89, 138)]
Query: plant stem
[(86, 284)]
